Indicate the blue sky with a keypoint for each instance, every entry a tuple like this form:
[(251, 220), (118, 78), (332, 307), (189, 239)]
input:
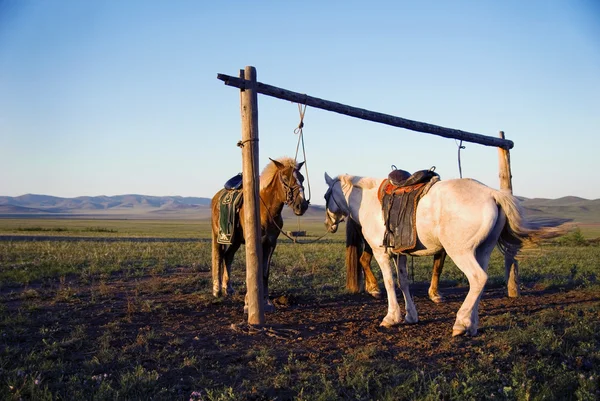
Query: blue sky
[(114, 97)]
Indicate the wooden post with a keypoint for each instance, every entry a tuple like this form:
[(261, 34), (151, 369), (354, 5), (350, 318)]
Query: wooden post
[(254, 273), (511, 266)]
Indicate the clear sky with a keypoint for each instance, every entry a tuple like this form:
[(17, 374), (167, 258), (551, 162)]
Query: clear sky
[(119, 96)]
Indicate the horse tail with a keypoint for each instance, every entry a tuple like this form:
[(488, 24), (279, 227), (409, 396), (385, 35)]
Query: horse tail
[(353, 244), (517, 229)]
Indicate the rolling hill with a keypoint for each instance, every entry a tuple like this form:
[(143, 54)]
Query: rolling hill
[(131, 204), (566, 209)]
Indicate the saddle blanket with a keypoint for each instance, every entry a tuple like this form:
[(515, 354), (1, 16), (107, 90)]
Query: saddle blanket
[(229, 205)]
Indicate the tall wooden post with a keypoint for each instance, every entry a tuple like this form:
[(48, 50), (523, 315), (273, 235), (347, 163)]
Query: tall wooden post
[(511, 266), (254, 273)]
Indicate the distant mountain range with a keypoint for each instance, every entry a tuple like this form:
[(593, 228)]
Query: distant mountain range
[(119, 206), (569, 208), (45, 204)]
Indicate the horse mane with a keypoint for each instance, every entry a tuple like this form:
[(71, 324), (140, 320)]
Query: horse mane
[(357, 181), (270, 170)]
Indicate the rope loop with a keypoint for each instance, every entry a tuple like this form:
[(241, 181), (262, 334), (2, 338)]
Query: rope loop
[(241, 144), (301, 111), (298, 131)]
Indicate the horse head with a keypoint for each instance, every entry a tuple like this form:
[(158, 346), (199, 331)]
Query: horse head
[(292, 182), (334, 204)]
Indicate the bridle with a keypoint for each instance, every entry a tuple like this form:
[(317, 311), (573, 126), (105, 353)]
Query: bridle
[(329, 196), (289, 196), (290, 190)]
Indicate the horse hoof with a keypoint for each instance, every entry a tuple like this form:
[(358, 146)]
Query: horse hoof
[(386, 322), (463, 331), (375, 294), (410, 320), (458, 332), (438, 299)]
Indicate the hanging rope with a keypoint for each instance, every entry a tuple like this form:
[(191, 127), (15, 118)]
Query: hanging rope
[(298, 131), (460, 147)]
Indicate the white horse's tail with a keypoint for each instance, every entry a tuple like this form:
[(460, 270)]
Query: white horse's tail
[(518, 230)]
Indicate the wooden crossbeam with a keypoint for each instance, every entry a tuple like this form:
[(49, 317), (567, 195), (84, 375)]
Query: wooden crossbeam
[(364, 114)]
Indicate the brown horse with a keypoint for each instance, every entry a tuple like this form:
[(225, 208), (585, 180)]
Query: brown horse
[(356, 245), (280, 184)]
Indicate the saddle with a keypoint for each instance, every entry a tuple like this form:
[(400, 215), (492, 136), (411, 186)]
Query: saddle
[(230, 202), (399, 195), (234, 182)]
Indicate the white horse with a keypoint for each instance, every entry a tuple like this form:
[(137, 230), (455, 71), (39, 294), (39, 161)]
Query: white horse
[(462, 216)]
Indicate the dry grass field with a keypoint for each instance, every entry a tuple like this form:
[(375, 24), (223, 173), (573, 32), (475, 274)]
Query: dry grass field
[(98, 313)]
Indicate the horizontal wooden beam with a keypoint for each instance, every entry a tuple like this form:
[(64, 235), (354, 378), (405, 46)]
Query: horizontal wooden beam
[(367, 114)]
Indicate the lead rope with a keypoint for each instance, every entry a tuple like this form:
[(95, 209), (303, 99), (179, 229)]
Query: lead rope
[(294, 240)]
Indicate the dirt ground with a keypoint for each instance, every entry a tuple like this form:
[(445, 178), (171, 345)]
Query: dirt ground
[(334, 327), (326, 330), (316, 330)]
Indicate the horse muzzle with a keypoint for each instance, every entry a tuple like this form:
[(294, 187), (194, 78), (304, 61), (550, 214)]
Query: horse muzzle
[(300, 208), (331, 226)]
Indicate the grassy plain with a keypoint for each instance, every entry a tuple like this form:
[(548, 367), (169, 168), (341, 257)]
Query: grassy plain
[(100, 320), (102, 228)]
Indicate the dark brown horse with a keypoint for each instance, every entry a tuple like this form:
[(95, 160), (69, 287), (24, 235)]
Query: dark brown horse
[(280, 184), (358, 252)]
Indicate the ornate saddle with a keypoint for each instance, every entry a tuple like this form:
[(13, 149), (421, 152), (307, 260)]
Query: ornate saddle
[(230, 203), (399, 195)]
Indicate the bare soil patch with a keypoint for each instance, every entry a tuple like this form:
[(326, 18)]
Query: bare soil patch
[(316, 330)]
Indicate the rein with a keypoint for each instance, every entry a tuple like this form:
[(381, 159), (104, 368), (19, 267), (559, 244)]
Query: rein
[(294, 240)]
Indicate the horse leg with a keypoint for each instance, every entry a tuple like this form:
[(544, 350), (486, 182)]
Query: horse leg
[(394, 315), (411, 310), (438, 265), (354, 240), (370, 281), (467, 317), (228, 255), (217, 265), (353, 243), (268, 250)]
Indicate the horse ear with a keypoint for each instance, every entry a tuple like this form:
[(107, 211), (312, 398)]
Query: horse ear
[(328, 179), (299, 166), (278, 164)]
